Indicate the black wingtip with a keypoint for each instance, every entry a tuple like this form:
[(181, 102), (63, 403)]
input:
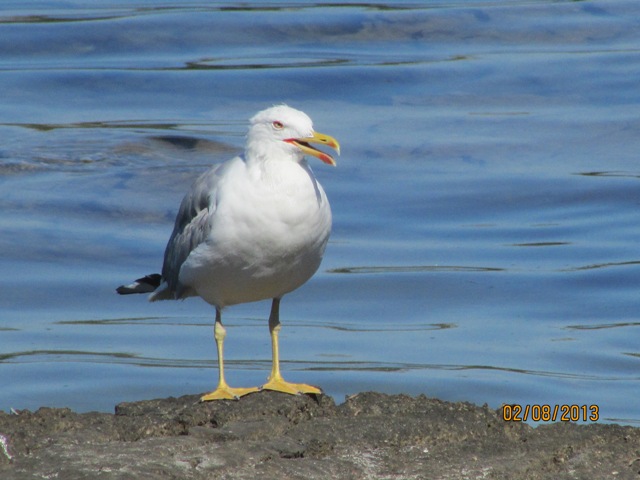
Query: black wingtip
[(146, 284)]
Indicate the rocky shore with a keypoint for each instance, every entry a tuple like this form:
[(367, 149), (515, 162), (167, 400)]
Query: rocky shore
[(272, 435)]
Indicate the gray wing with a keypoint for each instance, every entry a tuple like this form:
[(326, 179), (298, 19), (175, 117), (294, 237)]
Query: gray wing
[(191, 228)]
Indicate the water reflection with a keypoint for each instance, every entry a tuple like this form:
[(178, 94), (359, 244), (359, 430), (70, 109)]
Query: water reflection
[(61, 355), (540, 244), (260, 63), (610, 174), (413, 269), (598, 266), (395, 327), (124, 358), (260, 322), (602, 326)]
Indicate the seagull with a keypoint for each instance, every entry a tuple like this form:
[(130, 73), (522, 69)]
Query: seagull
[(252, 228)]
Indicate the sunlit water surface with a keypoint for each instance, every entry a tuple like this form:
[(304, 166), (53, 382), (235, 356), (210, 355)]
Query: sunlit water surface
[(486, 205)]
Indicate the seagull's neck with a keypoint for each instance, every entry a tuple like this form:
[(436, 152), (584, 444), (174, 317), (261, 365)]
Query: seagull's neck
[(279, 170), (272, 155)]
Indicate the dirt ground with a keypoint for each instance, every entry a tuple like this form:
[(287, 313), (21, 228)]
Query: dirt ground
[(272, 435)]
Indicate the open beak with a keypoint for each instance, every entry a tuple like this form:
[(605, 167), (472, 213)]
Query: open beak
[(320, 138)]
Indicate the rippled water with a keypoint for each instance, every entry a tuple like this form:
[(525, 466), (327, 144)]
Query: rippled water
[(486, 220)]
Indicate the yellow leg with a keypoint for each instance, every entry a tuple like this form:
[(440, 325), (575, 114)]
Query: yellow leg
[(275, 381), (224, 391)]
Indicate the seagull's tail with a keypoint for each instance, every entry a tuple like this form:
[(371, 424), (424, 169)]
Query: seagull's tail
[(146, 284)]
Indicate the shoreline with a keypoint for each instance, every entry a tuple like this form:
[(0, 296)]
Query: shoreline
[(273, 435)]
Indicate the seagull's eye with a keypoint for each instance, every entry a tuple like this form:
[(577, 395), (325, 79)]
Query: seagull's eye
[(278, 125)]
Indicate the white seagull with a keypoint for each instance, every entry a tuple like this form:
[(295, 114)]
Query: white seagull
[(252, 228)]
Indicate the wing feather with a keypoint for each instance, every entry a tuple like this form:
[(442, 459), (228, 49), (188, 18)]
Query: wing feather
[(192, 227)]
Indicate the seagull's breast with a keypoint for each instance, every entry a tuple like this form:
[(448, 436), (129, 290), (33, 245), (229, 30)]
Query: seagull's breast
[(267, 237)]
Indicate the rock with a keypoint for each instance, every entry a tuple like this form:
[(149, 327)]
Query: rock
[(273, 435)]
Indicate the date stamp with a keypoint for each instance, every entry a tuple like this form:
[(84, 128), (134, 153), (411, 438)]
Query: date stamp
[(550, 413)]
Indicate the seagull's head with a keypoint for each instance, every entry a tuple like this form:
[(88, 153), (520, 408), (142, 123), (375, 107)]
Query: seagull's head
[(288, 132)]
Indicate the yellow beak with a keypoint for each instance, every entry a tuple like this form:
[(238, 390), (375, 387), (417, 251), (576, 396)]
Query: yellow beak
[(322, 139)]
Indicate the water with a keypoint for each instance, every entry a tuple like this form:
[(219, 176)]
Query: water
[(485, 243)]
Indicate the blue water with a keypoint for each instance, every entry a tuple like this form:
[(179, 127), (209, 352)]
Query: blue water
[(486, 205)]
